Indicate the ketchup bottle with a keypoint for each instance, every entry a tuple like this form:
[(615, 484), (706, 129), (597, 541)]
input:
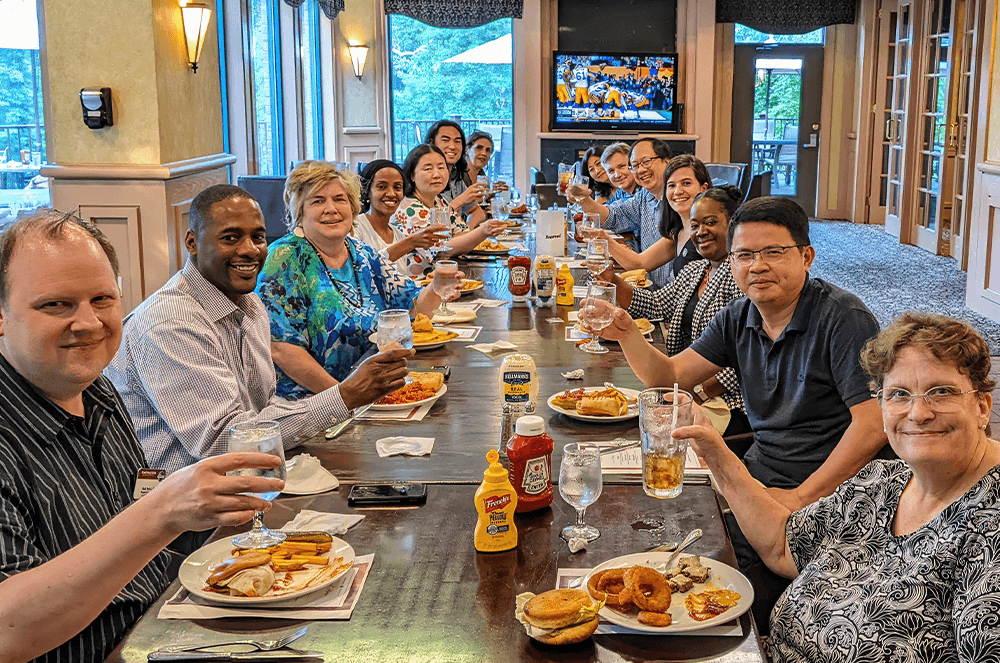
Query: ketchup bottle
[(520, 277), (530, 455)]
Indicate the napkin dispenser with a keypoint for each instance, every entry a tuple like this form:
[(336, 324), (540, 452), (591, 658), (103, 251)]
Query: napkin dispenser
[(551, 233)]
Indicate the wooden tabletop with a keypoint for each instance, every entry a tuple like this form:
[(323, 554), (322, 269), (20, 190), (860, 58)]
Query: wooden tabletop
[(431, 597), (465, 422)]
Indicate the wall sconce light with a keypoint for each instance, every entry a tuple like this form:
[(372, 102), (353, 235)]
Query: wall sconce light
[(195, 16), (359, 53)]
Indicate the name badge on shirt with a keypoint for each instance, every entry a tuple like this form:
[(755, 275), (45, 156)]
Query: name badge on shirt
[(146, 480)]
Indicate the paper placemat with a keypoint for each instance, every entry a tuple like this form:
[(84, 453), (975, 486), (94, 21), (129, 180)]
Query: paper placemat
[(571, 262), (464, 333), (565, 576), (574, 333), (629, 461), (472, 305), (572, 316), (414, 414), (489, 303), (579, 291), (335, 602)]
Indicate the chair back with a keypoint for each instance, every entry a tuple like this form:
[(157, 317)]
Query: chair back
[(269, 190), (548, 195), (760, 185), (737, 174), (787, 155)]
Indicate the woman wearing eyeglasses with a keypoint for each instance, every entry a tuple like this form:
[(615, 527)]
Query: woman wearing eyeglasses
[(901, 562)]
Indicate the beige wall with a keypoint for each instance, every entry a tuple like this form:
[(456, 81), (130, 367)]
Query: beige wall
[(163, 112)]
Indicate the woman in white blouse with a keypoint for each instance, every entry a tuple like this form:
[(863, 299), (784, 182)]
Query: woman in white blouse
[(381, 193)]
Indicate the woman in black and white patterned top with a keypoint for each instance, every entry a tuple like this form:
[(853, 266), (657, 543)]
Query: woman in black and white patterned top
[(690, 301), (902, 562)]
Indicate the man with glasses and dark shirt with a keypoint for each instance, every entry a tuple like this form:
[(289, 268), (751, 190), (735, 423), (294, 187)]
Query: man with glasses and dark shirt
[(795, 344), (80, 552), (641, 213)]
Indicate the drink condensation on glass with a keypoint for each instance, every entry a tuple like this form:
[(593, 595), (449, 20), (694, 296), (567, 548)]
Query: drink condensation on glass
[(662, 455), (446, 283), (565, 175), (394, 330), (260, 437)]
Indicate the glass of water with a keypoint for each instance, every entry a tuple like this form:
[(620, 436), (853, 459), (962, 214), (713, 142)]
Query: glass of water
[(261, 437), (446, 283), (394, 330), (597, 310), (598, 258), (580, 484), (532, 205)]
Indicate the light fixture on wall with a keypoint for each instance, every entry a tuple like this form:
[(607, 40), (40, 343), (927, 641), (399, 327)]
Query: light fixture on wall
[(359, 53), (195, 16)]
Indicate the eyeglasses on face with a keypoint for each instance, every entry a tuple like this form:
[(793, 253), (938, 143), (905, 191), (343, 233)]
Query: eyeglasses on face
[(944, 398), (770, 254), (642, 164)]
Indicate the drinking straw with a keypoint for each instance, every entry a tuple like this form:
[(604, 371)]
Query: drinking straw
[(673, 423)]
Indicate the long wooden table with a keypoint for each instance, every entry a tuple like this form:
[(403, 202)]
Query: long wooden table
[(430, 596)]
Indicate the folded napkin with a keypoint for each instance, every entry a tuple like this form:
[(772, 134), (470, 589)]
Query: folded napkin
[(487, 348), (317, 521), (404, 446), (305, 474), (489, 303), (574, 375)]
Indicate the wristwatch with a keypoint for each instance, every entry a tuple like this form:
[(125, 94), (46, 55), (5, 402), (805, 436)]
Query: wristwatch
[(699, 391)]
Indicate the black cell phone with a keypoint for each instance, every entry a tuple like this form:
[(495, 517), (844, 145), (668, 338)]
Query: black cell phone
[(444, 370), (379, 494)]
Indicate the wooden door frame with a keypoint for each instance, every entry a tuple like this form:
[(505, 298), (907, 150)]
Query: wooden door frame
[(869, 131)]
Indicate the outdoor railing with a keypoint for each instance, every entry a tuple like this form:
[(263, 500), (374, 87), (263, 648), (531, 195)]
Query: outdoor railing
[(407, 134), (17, 137)]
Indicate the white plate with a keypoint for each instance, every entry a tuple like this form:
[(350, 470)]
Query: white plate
[(373, 337), (466, 291), (633, 408), (199, 565), (408, 406), (723, 576), (460, 314), (490, 253)]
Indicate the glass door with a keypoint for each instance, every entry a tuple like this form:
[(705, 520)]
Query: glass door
[(878, 185), (896, 125), (932, 218)]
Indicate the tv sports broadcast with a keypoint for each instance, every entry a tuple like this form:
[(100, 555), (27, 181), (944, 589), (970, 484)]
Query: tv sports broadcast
[(615, 90)]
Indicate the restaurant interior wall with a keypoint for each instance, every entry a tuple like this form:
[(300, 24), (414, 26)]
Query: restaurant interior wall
[(135, 179)]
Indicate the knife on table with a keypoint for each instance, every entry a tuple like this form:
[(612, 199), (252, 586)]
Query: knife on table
[(277, 655), (336, 430)]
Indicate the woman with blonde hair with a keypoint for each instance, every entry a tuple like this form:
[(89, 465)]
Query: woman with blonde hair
[(322, 288)]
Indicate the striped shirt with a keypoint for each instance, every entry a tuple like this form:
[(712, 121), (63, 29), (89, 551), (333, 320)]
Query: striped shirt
[(62, 478), (192, 363), (640, 215)]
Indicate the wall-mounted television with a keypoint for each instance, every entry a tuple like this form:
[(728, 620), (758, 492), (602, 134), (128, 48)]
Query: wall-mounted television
[(615, 92)]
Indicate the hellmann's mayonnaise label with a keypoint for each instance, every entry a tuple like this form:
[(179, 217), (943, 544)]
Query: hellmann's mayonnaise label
[(516, 385)]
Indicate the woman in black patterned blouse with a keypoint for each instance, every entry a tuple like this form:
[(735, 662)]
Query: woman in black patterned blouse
[(901, 562), (689, 302)]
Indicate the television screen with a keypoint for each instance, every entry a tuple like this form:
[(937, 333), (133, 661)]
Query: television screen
[(615, 91)]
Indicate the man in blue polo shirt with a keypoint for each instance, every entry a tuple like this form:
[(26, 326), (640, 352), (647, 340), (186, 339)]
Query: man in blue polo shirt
[(794, 343)]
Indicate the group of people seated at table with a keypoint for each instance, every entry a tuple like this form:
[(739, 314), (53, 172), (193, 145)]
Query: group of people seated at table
[(865, 551)]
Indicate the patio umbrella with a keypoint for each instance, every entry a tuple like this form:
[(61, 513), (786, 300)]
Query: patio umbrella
[(498, 51), (20, 22)]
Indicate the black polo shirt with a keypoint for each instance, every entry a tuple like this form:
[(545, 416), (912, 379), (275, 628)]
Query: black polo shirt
[(798, 389), (62, 478)]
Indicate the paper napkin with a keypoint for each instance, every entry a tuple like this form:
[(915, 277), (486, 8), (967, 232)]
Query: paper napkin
[(318, 521), (305, 474), (404, 446), (487, 348), (574, 375)]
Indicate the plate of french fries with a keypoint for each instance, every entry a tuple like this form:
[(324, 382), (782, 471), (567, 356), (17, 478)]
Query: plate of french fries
[(303, 563)]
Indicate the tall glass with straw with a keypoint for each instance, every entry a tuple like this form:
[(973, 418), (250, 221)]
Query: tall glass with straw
[(661, 411)]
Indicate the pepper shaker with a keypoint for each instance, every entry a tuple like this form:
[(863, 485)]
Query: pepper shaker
[(506, 429)]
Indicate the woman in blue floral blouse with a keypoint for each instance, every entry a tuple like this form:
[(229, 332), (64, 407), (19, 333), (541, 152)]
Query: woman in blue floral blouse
[(324, 289)]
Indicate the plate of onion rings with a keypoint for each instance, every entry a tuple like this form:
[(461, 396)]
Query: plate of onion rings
[(659, 599)]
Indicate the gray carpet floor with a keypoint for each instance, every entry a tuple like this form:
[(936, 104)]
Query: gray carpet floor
[(890, 277)]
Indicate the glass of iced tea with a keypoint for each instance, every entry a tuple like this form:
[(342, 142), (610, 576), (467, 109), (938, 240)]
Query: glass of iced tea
[(662, 455)]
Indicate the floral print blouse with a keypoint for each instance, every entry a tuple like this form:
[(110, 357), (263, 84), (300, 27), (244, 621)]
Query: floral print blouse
[(413, 215), (323, 310)]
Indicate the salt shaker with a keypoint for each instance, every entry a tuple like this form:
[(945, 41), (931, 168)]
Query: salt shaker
[(506, 429)]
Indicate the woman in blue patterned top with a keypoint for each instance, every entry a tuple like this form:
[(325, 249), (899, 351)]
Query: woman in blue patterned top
[(901, 562), (324, 289)]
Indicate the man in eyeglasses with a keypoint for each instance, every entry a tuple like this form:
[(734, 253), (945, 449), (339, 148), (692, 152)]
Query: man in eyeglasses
[(641, 213), (794, 343)]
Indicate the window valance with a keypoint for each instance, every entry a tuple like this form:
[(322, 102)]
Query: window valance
[(785, 17), (330, 7), (456, 13)]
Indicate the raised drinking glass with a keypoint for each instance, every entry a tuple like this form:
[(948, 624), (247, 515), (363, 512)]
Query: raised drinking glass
[(446, 283), (662, 455), (598, 258), (500, 207), (580, 484), (394, 330), (261, 437), (578, 187), (597, 310)]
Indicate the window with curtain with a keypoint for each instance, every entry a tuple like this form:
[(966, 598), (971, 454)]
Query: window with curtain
[(461, 74), (265, 92), (308, 83), (22, 124)]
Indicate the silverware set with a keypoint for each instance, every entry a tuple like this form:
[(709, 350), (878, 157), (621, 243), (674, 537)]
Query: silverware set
[(271, 650)]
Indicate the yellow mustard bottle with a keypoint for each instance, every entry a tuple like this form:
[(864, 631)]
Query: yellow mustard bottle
[(564, 286), (495, 502)]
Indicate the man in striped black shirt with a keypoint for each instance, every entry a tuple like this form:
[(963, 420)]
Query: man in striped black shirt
[(80, 560)]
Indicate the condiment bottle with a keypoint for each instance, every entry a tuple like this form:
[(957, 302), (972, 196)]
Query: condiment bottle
[(520, 277), (545, 276), (564, 286), (530, 454), (495, 501), (518, 382)]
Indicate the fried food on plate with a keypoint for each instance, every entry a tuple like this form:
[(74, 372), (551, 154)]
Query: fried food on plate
[(490, 245), (433, 336), (645, 326), (604, 403), (559, 616), (422, 323), (636, 277), (711, 602)]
